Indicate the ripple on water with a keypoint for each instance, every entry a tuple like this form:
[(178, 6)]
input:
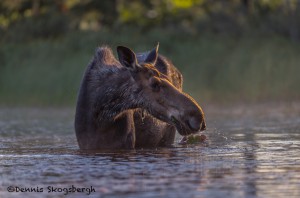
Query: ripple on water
[(243, 157)]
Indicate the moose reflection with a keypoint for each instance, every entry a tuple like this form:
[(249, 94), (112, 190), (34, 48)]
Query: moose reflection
[(134, 102)]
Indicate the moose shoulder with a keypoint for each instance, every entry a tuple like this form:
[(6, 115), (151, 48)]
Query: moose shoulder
[(114, 94)]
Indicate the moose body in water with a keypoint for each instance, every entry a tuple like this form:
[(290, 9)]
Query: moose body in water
[(134, 102)]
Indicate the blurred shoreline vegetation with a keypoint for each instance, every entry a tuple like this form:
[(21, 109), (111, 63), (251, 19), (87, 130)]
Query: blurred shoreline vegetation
[(228, 51)]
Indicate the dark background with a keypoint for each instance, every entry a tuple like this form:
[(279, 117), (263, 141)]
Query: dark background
[(228, 51)]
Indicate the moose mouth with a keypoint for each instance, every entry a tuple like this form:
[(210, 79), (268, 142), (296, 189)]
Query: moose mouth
[(182, 128)]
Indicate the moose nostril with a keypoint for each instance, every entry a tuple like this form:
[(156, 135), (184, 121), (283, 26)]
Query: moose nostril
[(194, 124), (203, 126)]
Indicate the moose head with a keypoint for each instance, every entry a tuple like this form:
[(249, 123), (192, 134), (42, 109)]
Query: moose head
[(156, 94)]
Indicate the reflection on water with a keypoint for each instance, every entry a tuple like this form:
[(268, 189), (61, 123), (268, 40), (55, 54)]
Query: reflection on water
[(250, 152)]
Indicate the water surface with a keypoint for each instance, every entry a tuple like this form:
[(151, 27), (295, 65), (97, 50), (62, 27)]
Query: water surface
[(251, 151)]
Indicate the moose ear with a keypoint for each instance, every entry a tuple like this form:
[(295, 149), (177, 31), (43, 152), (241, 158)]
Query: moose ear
[(127, 57), (152, 56)]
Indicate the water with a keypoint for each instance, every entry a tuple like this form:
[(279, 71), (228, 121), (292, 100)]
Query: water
[(251, 151)]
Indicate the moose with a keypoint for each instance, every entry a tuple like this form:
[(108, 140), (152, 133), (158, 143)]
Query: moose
[(134, 102)]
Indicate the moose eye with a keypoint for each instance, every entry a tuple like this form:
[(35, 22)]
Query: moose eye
[(155, 86)]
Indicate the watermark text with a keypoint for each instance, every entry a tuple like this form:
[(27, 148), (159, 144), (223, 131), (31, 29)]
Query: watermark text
[(52, 189)]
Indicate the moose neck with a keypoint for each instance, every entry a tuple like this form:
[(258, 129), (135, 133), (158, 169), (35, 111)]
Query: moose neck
[(115, 98)]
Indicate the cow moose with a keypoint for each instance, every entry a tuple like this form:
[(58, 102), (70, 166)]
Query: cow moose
[(134, 102)]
